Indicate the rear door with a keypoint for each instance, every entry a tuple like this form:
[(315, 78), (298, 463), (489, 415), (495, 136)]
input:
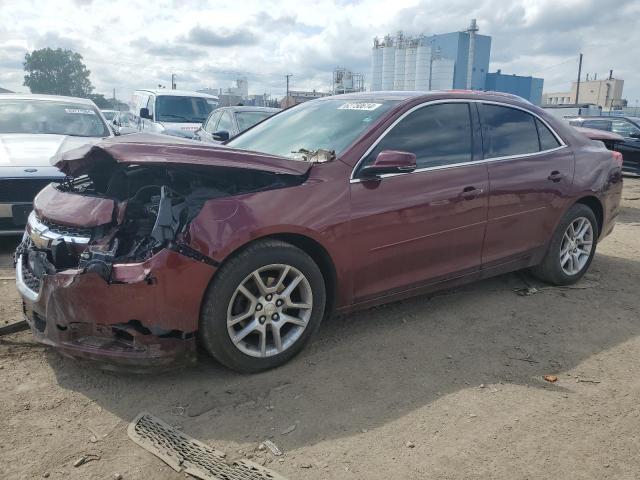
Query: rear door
[(530, 175), (413, 228)]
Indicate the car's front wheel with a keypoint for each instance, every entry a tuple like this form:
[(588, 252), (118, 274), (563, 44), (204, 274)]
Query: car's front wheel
[(572, 247), (262, 306)]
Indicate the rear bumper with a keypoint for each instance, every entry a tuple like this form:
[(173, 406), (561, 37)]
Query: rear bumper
[(145, 318)]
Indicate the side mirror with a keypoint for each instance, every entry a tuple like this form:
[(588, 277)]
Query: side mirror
[(635, 135), (144, 113), (390, 161), (220, 135)]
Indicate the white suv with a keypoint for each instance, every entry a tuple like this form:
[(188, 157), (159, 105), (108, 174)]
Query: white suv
[(161, 110)]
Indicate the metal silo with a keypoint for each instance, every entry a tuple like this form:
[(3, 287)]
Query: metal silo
[(376, 66), (410, 66), (442, 74), (423, 65), (398, 76), (388, 64)]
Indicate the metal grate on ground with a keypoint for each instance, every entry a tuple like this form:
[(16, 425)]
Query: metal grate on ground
[(185, 454)]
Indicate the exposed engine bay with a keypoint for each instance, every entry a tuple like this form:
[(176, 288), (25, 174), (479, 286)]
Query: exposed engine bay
[(154, 205)]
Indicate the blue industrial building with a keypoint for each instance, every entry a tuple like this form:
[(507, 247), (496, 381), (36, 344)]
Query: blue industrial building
[(529, 88), (455, 45), (457, 60)]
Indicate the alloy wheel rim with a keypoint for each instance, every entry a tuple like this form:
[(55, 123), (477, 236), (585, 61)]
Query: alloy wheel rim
[(270, 310), (576, 245)]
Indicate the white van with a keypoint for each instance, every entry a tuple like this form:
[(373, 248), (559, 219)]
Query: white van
[(160, 110)]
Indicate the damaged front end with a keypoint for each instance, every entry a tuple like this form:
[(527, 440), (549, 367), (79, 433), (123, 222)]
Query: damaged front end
[(107, 269)]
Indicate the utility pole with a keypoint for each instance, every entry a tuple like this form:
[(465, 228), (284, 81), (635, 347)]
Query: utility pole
[(579, 74), (173, 81), (114, 98), (287, 77)]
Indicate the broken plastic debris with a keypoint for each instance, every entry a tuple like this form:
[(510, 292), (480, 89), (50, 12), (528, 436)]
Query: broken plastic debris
[(273, 448), (85, 459)]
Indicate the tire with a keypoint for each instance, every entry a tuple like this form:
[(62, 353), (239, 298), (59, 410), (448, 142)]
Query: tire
[(228, 298), (552, 269)]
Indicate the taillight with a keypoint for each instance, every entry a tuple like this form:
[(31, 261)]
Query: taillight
[(617, 158)]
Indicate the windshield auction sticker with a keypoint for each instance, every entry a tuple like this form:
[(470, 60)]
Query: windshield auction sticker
[(359, 106), (81, 111)]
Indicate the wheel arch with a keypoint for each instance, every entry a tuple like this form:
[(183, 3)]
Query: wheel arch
[(311, 247), (596, 207)]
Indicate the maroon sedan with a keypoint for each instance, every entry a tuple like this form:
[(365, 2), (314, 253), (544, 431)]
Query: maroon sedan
[(337, 204)]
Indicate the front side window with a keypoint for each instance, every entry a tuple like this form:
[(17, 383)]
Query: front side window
[(508, 131), (212, 122), (437, 134), (225, 123), (624, 128), (55, 118), (182, 109), (331, 124)]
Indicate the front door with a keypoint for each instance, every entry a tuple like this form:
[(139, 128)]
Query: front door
[(413, 228), (530, 172)]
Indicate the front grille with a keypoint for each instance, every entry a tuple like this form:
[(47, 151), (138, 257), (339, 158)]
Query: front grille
[(185, 454), (66, 230), (15, 190), (28, 277)]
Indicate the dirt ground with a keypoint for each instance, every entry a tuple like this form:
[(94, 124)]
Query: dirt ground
[(445, 387)]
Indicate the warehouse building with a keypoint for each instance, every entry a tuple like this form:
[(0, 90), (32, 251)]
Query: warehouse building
[(525, 87)]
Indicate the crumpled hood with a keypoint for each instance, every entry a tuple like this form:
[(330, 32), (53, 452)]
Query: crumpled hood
[(36, 150), (146, 148)]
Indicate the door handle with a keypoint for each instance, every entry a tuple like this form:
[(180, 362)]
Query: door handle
[(555, 176), (469, 193)]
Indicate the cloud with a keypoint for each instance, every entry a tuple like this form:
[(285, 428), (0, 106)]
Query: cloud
[(221, 38), (167, 50), (127, 45)]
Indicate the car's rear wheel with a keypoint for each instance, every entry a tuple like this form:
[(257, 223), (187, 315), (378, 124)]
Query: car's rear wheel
[(571, 249), (262, 306)]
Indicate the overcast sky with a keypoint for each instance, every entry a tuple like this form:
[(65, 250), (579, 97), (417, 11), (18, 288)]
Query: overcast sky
[(129, 44)]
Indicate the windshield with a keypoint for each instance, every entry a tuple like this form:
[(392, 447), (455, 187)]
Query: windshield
[(170, 108), (108, 114), (247, 120), (57, 118), (319, 124)]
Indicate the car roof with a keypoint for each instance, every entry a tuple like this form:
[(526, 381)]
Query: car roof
[(176, 93), (426, 95), (604, 117), (49, 98)]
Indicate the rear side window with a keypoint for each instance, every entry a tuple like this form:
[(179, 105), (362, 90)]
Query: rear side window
[(598, 124), (438, 135), (548, 140), (508, 131)]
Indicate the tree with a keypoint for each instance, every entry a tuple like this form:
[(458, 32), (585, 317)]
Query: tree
[(57, 72)]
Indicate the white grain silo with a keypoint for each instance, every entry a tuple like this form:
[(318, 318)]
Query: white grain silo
[(442, 74), (398, 76), (388, 63), (376, 66), (423, 65), (410, 66)]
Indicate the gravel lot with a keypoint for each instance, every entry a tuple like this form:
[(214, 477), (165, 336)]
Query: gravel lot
[(446, 387)]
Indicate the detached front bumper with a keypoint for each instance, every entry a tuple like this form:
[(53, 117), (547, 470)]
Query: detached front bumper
[(145, 318)]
